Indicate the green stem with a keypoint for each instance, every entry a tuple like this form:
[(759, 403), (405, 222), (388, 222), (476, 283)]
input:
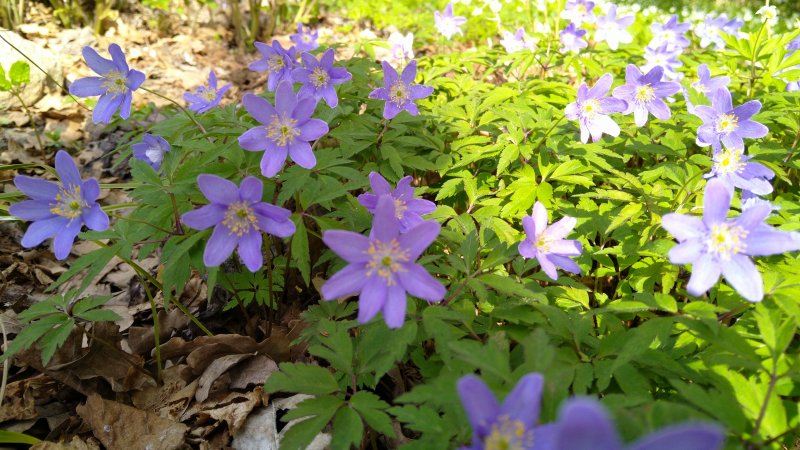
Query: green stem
[(753, 61), (271, 294), (185, 111), (178, 226), (156, 329), (30, 117)]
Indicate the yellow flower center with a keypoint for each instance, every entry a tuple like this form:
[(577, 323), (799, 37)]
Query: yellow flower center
[(306, 38), (239, 218), (726, 240), (727, 123), (398, 93), (507, 434), (400, 208), (387, 259), (114, 83), (581, 9), (645, 93), (68, 202), (319, 77), (275, 63), (543, 243), (282, 130), (700, 87), (210, 94), (728, 161), (590, 108)]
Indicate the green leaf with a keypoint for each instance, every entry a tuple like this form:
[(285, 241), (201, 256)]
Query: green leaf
[(88, 303), (5, 84), (508, 286), (302, 378), (348, 429), (100, 315), (300, 255), (371, 408), (32, 333), (322, 410), (55, 338), (628, 214), (10, 437), (20, 73)]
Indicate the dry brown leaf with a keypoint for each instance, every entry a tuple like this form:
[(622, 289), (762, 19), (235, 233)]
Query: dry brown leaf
[(142, 339), (235, 414), (18, 403), (254, 371), (213, 371), (75, 444)]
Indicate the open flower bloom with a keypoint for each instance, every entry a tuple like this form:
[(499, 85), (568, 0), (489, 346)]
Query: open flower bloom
[(517, 41), (151, 150), (706, 84), (732, 167), (277, 62), (725, 125), (584, 424), (644, 93), (238, 216), (382, 267), (578, 12), (512, 425), (401, 47), (672, 33), (547, 243), (285, 129), (407, 209), (114, 85), (612, 30), (665, 57), (447, 24), (59, 210), (205, 98), (592, 108), (400, 93), (572, 39), (305, 39), (716, 245), (319, 77), (711, 29)]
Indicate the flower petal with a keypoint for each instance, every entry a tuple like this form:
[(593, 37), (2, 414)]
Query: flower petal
[(564, 263), (95, 218), (259, 108), (716, 202), (96, 62), (351, 247), (313, 130), (524, 401), (36, 188), (88, 87), (686, 252), (705, 273), (251, 189), (219, 247), (285, 98), (300, 152), (682, 226), (250, 250), (254, 139), (584, 424), (31, 210), (40, 230), (601, 87), (742, 275), (372, 298), (204, 217), (63, 240), (526, 248), (419, 283), (695, 436), (479, 403), (217, 189), (561, 228), (394, 308), (385, 225), (273, 160), (348, 281), (417, 239), (547, 266), (539, 219), (763, 242)]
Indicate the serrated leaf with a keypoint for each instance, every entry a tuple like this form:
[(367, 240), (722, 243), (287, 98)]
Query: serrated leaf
[(55, 338), (302, 433), (5, 83), (348, 429), (628, 213), (20, 73), (302, 378), (371, 408), (99, 315), (300, 255)]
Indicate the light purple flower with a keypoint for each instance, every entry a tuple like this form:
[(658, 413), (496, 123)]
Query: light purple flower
[(400, 93), (382, 267), (584, 424), (285, 129), (401, 47), (319, 77), (706, 84), (572, 39), (518, 41), (666, 58), (716, 245), (151, 150), (732, 167), (792, 46), (547, 243), (711, 29), (408, 210), (725, 125), (238, 216), (644, 93), (305, 39), (578, 12), (672, 33), (114, 85), (447, 24), (204, 98), (592, 107), (512, 425), (277, 62), (612, 30), (59, 210)]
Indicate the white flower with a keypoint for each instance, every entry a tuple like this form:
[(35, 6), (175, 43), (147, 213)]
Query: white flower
[(769, 14)]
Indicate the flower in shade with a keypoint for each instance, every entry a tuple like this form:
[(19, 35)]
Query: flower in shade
[(285, 129), (716, 245), (408, 210), (512, 425), (732, 167), (547, 243), (612, 29), (400, 93), (706, 84), (305, 39), (644, 93), (319, 77), (382, 267), (238, 216), (572, 39), (59, 210), (401, 47), (277, 62), (447, 24), (672, 33), (725, 125), (592, 107), (518, 41), (114, 85), (584, 424), (578, 12), (151, 150), (204, 98), (666, 58)]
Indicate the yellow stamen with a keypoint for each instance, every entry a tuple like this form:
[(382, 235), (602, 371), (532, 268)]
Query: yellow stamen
[(387, 259), (282, 130), (239, 218), (69, 202)]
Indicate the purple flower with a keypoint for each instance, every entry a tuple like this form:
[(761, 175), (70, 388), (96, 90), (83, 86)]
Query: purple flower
[(238, 216), (320, 77), (285, 129), (446, 23), (711, 29), (644, 93), (517, 41), (400, 93), (572, 39), (584, 424), (59, 210), (612, 30), (731, 166), (204, 98), (706, 84), (547, 244), (151, 150), (114, 85), (666, 58), (722, 123), (592, 107), (278, 63), (672, 33), (512, 425), (578, 12), (408, 210), (382, 267), (305, 39), (716, 245)]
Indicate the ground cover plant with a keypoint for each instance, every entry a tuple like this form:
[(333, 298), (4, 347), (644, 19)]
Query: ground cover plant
[(506, 225)]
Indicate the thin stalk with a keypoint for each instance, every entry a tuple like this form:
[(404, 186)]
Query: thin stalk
[(753, 60), (178, 226), (185, 111), (156, 329), (236, 296), (773, 380), (30, 117), (271, 310), (5, 363), (144, 222)]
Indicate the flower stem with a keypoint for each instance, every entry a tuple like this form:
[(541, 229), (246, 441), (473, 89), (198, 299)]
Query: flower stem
[(753, 60), (185, 111), (156, 329)]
